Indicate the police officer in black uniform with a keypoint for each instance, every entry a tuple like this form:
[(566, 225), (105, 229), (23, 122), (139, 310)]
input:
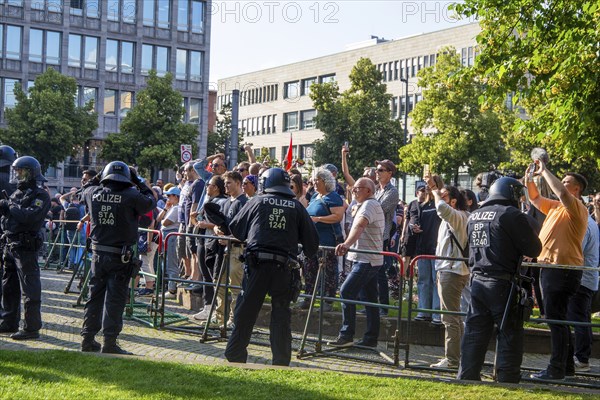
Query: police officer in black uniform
[(272, 224), (499, 236), (114, 208), (7, 157), (23, 216)]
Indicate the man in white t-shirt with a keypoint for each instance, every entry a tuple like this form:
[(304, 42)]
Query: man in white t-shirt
[(366, 234)]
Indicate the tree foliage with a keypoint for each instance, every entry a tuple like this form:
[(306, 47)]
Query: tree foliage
[(452, 130), (548, 54), (45, 123), (153, 130), (360, 115)]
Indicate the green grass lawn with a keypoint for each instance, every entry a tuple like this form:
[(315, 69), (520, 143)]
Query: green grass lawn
[(71, 375)]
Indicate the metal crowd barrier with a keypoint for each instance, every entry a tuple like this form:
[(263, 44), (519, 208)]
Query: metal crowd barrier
[(58, 243), (590, 383), (343, 352), (202, 329)]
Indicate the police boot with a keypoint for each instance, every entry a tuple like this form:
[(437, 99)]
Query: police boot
[(88, 344), (111, 347)]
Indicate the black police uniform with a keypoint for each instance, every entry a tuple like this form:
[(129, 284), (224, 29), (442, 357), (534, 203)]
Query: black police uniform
[(272, 226), (114, 208), (24, 214), (499, 235)]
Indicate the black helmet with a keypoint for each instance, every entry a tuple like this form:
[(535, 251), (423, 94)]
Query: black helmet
[(32, 168), (116, 171), (7, 155), (506, 189), (275, 180)]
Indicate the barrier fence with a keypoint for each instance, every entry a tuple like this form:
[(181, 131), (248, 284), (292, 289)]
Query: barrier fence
[(155, 314), (588, 380)]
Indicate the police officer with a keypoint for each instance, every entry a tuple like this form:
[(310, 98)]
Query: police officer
[(499, 236), (23, 216), (114, 208), (272, 224), (7, 157)]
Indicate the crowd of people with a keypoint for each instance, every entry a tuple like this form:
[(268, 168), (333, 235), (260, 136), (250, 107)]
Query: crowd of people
[(247, 220)]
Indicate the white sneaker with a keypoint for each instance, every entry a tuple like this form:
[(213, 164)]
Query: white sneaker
[(444, 363), (202, 315), (581, 366), (170, 295)]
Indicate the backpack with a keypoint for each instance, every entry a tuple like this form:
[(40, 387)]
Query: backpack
[(463, 251)]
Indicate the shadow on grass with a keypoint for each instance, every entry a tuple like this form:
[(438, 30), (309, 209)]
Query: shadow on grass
[(48, 370)]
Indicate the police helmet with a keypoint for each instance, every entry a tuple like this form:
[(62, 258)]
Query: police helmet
[(30, 170), (7, 156), (506, 189), (116, 171), (275, 180)]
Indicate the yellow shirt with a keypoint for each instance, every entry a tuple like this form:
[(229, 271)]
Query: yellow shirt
[(563, 231)]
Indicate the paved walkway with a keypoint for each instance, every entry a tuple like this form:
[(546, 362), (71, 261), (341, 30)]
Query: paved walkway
[(62, 324)]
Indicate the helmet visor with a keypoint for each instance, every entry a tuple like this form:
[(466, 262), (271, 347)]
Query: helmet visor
[(19, 175)]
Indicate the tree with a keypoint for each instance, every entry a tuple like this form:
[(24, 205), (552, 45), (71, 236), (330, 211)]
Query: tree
[(360, 115), (548, 54), (452, 130), (219, 140), (152, 131), (45, 123)]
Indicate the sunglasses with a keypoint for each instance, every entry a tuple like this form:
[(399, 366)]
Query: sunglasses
[(242, 169), (217, 165), (382, 170)]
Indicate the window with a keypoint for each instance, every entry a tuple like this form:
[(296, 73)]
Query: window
[(290, 90), (305, 90), (44, 46), (76, 7), (181, 66), (470, 59), (290, 121), (148, 13), (113, 62), (307, 119), (90, 6), (197, 16), (13, 42), (74, 50), (147, 50), (128, 11), (195, 110), (9, 92), (90, 94), (91, 52), (196, 66), (162, 60), (327, 78), (49, 5), (125, 103), (395, 107), (109, 101), (112, 55), (164, 14), (183, 13), (155, 57), (127, 57)]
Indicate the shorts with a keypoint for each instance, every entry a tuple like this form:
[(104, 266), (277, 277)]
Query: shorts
[(409, 247), (181, 244), (191, 247)]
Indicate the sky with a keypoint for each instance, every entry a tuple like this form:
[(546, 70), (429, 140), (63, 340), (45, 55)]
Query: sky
[(253, 35)]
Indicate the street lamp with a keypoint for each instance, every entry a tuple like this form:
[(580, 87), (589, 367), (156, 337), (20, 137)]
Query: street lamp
[(405, 136)]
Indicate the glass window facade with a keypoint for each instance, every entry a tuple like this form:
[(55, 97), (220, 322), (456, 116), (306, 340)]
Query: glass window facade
[(112, 54), (74, 50), (53, 40), (197, 16), (36, 42), (146, 58), (109, 101), (9, 94), (164, 13), (195, 66), (128, 11), (90, 94), (162, 60), (181, 69), (195, 110), (91, 52), (13, 42), (125, 103), (183, 13), (127, 57)]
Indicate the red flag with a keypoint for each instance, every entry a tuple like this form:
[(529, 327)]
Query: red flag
[(288, 157)]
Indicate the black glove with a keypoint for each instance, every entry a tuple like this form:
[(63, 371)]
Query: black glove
[(135, 180), (4, 206)]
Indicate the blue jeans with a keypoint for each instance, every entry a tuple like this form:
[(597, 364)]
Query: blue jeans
[(363, 276), (427, 287), (74, 237)]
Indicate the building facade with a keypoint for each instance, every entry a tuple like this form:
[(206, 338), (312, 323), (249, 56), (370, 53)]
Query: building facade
[(275, 101), (108, 46)]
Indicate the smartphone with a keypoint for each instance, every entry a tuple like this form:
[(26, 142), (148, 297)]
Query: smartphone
[(531, 170), (426, 170), (347, 146)]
